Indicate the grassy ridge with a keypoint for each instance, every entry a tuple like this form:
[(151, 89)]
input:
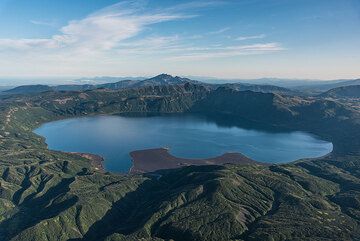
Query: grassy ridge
[(48, 195)]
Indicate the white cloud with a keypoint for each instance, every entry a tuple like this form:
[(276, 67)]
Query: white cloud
[(242, 38), (102, 30), (106, 28), (119, 38)]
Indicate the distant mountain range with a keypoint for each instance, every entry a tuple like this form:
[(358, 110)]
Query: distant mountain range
[(104, 79), (29, 89), (343, 92), (282, 82), (3, 88), (259, 88), (326, 85), (265, 85), (160, 80), (163, 79)]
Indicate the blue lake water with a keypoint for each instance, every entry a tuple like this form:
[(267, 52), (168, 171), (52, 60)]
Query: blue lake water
[(188, 136)]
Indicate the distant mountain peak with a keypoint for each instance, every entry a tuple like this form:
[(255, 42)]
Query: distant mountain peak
[(164, 77)]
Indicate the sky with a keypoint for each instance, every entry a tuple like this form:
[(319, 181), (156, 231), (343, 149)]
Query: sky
[(303, 39)]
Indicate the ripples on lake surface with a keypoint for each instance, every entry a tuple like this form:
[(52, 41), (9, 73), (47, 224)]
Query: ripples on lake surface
[(188, 136)]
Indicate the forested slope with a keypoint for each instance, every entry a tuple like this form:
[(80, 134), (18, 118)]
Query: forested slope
[(49, 195)]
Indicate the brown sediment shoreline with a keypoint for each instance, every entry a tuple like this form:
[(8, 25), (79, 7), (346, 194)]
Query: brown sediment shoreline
[(95, 160), (156, 159)]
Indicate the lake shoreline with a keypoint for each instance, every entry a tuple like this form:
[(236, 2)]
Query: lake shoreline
[(203, 140), (96, 161)]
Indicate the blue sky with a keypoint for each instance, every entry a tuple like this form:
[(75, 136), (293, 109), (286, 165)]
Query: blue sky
[(221, 38)]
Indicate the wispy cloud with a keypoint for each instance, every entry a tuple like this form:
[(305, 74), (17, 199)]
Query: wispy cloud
[(43, 23), (102, 30), (26, 44), (242, 38), (196, 5), (219, 31), (228, 51), (121, 35), (215, 32), (112, 28)]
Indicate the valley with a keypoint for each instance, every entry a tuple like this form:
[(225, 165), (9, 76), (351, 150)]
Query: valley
[(64, 194)]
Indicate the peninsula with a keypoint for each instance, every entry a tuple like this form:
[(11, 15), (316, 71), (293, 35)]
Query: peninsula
[(151, 160)]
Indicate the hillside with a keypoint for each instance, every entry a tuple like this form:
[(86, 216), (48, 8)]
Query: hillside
[(50, 195), (352, 91), (29, 89)]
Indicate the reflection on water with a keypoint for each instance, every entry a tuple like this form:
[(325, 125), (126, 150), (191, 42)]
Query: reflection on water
[(189, 136)]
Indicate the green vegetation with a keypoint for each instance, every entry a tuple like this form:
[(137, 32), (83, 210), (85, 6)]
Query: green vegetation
[(49, 195)]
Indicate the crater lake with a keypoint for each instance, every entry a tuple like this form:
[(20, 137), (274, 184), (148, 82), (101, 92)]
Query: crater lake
[(187, 136)]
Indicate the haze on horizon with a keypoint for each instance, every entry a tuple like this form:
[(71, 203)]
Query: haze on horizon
[(220, 38)]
